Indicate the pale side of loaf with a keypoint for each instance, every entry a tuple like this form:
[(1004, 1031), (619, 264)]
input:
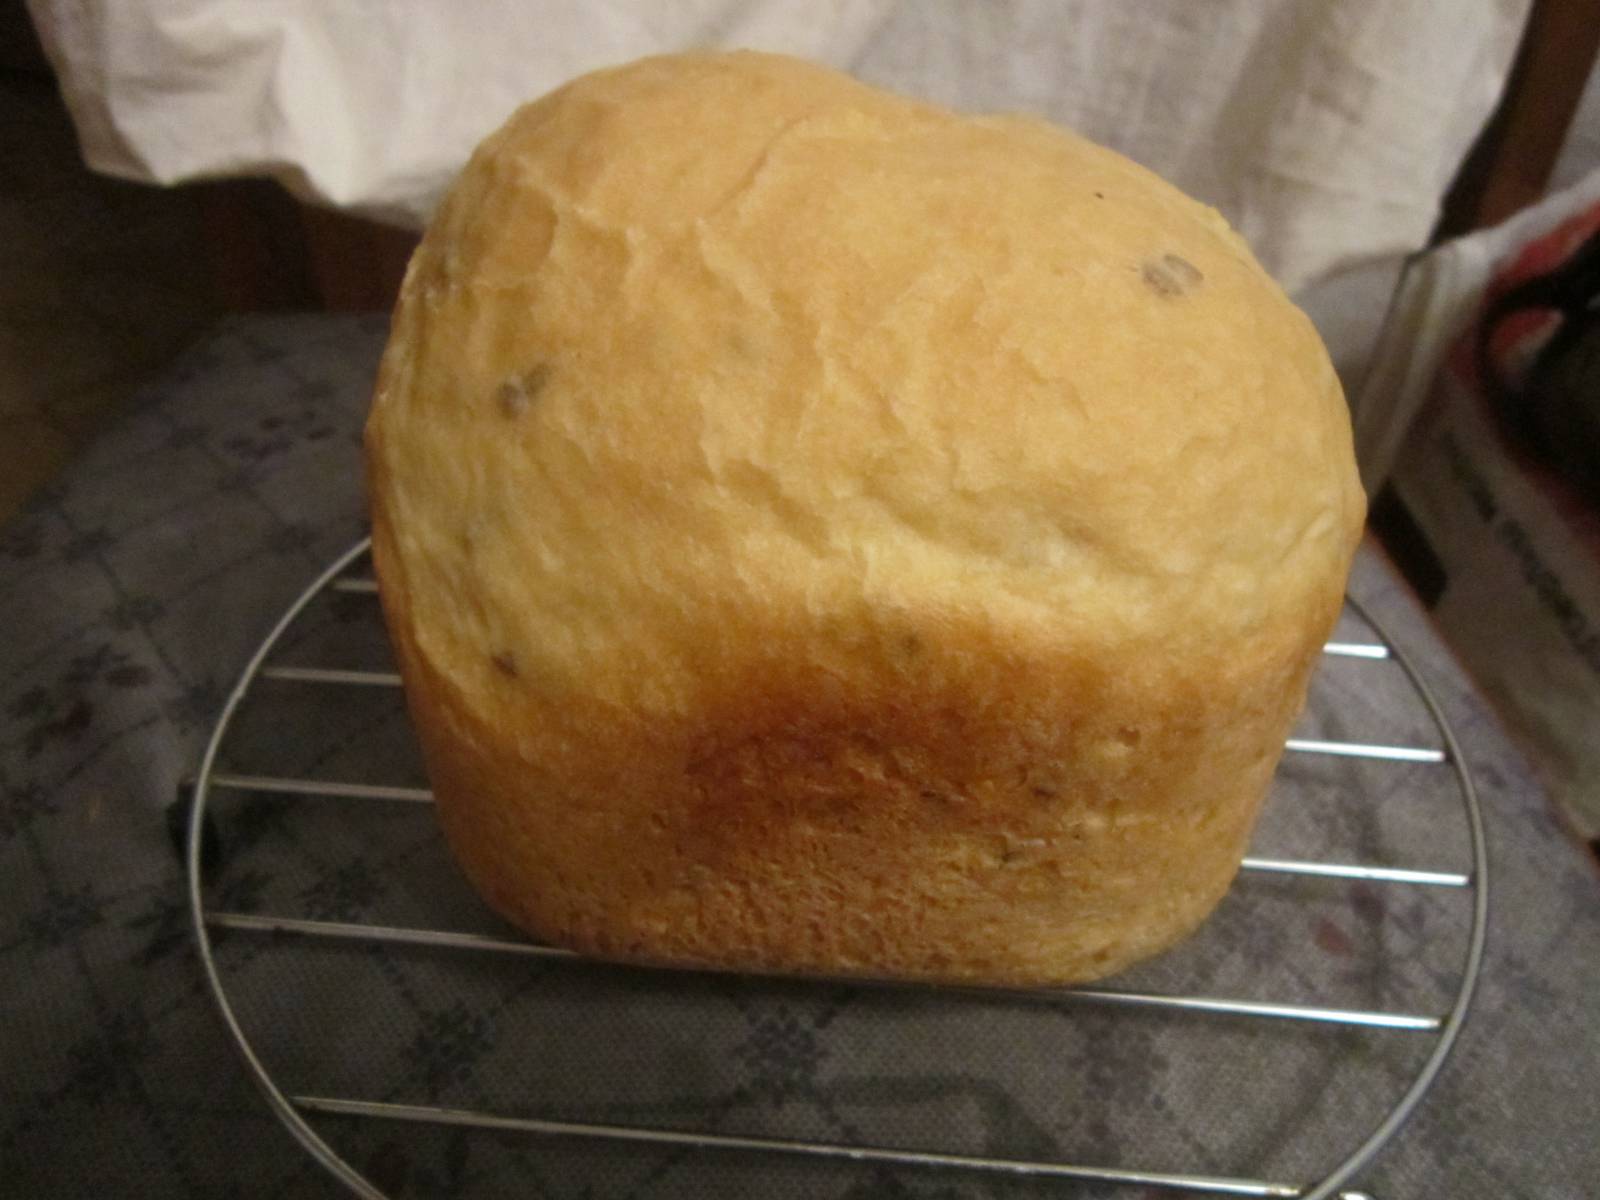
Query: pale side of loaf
[(820, 532)]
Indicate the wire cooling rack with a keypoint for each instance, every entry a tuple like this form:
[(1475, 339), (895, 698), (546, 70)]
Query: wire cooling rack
[(268, 973)]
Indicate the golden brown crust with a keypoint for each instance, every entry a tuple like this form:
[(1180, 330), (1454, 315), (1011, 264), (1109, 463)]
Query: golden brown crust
[(777, 585)]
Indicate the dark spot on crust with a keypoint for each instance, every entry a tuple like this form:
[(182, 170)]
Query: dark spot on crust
[(515, 395), (911, 645), (1042, 781), (1171, 275), (1158, 280), (505, 663), (1128, 735), (1099, 195), (1184, 270)]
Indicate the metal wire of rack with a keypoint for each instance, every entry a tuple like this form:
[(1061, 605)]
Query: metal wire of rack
[(295, 1109)]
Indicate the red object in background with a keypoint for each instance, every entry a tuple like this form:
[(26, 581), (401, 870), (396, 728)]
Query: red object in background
[(1519, 334), (1532, 355)]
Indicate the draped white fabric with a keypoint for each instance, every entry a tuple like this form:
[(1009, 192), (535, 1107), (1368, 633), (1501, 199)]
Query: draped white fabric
[(1325, 130)]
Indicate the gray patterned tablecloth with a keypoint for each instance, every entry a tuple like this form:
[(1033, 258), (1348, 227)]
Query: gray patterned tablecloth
[(133, 591)]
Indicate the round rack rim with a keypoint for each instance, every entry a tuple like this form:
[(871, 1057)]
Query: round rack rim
[(294, 1119), (1451, 1029), (276, 1100)]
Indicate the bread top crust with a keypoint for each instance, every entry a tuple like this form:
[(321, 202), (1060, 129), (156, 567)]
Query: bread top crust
[(721, 358)]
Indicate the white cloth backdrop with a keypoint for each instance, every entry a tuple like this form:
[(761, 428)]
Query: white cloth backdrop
[(1326, 130)]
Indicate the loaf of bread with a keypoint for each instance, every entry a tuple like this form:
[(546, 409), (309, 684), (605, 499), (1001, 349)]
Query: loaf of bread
[(824, 533)]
